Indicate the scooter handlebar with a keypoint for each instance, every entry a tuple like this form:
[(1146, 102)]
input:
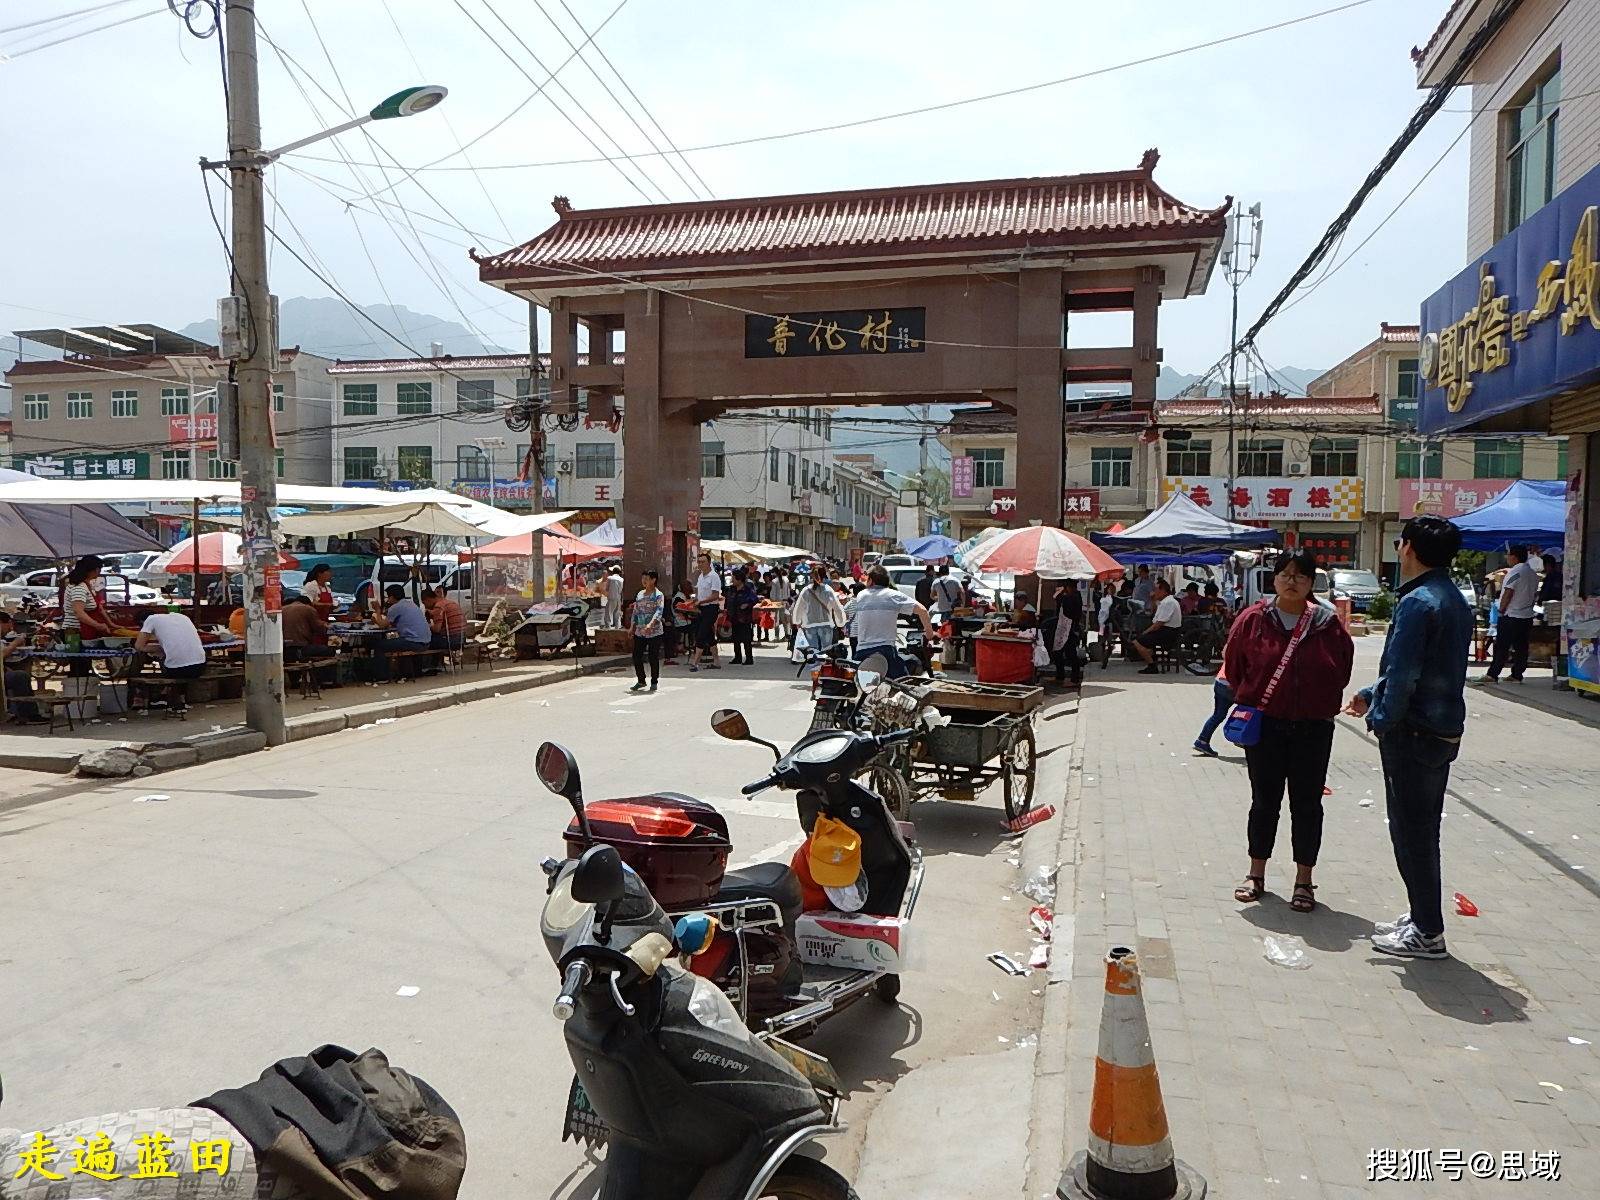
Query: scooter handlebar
[(760, 785), (575, 980)]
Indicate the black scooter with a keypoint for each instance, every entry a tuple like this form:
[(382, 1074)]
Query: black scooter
[(692, 1105)]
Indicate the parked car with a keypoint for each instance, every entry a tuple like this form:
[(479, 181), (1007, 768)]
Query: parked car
[(1361, 587), (901, 560), (132, 565), (988, 588), (437, 570), (44, 587)]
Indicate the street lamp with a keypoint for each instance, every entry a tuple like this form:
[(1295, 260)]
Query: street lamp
[(407, 102)]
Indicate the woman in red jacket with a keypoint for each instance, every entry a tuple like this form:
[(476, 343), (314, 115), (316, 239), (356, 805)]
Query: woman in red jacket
[(1296, 719)]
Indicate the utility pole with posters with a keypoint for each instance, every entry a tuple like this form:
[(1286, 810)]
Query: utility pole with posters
[(254, 361), (1239, 257), (536, 449)]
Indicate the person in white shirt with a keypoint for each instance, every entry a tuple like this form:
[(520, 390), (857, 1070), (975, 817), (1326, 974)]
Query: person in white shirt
[(817, 613), (708, 599), (611, 589), (781, 591), (1517, 594), (945, 594), (1164, 629), (182, 655), (875, 615)]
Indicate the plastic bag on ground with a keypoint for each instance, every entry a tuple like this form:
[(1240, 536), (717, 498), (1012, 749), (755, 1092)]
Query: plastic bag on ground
[(1041, 885), (1286, 950)]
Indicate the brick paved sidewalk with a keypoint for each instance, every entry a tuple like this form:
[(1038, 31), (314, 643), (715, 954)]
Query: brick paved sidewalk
[(1279, 1083)]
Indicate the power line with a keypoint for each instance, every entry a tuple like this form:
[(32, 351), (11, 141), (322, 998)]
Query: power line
[(66, 16), (72, 37), (600, 50), (929, 108), (600, 79)]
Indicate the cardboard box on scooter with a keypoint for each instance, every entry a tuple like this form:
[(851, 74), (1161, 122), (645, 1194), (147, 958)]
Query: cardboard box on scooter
[(852, 940)]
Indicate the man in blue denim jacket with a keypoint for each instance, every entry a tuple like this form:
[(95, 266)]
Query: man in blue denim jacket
[(1418, 710)]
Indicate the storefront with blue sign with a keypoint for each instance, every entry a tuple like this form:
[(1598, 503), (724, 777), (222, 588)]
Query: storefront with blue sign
[(1512, 345)]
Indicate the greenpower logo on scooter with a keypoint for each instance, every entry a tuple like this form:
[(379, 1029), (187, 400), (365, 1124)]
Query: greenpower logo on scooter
[(720, 1060)]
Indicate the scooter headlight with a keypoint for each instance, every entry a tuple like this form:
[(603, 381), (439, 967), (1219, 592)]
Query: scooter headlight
[(561, 911)]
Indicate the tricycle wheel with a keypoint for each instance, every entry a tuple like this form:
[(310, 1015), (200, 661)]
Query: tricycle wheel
[(1017, 771), (888, 988), (885, 777)]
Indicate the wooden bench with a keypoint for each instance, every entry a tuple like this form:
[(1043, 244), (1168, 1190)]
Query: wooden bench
[(175, 692), (303, 673), (54, 703), (414, 655)]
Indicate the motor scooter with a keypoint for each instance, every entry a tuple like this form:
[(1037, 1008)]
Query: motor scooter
[(680, 848), (691, 1104)]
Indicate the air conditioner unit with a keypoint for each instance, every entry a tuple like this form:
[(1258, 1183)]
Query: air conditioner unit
[(1298, 468), (564, 467)]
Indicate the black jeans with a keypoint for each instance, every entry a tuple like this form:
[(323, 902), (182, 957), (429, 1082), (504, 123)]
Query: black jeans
[(644, 647), (1221, 706), (1416, 771), (742, 636), (705, 627), (1511, 639), (1292, 754)]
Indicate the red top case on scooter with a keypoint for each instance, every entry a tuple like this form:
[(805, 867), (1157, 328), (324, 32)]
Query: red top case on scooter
[(677, 844)]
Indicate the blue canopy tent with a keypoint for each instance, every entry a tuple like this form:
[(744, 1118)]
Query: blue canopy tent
[(1182, 532), (933, 546), (1529, 512)]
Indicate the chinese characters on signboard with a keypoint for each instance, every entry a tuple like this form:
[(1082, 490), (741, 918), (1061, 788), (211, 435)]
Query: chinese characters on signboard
[(86, 466), (1077, 504), (1448, 497), (204, 426), (1330, 498), (961, 476), (826, 334)]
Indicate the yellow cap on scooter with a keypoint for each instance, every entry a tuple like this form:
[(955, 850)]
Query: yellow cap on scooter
[(835, 853)]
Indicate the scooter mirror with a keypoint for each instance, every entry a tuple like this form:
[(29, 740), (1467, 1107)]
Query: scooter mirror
[(872, 664), (867, 679), (557, 769), (730, 723), (597, 878)]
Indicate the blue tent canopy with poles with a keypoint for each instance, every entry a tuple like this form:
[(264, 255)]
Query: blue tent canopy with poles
[(1530, 511), (1180, 527)]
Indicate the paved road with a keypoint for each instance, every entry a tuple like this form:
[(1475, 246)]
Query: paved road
[(153, 952)]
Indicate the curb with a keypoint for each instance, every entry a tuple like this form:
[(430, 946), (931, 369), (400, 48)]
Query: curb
[(236, 740), (1047, 1129)]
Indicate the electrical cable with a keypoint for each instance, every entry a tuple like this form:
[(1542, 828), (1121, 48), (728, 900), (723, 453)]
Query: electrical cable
[(11, 55), (932, 108), (1419, 119)]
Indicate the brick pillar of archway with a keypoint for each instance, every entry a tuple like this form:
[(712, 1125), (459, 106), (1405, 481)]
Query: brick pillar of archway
[(660, 454), (1040, 304)]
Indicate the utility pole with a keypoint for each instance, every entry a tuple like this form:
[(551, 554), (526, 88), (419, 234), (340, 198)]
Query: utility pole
[(1238, 261), (258, 484), (536, 448)]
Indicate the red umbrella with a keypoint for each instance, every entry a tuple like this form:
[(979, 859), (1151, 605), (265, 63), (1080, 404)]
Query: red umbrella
[(1042, 550), (219, 553)]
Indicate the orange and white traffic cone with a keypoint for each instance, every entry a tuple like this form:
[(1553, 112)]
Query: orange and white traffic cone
[(1130, 1151)]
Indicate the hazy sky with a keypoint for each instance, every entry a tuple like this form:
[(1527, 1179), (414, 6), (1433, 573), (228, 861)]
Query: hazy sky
[(104, 219)]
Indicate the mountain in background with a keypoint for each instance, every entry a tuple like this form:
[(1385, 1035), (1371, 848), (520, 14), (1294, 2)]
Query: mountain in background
[(328, 327)]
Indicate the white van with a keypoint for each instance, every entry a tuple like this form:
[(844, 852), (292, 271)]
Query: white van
[(435, 570)]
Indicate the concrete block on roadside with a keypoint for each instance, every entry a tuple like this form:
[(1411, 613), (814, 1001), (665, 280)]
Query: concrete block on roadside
[(108, 762), (410, 706), (213, 746), (358, 715), (168, 758)]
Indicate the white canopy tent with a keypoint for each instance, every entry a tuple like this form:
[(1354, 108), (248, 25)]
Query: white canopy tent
[(428, 517), (745, 552)]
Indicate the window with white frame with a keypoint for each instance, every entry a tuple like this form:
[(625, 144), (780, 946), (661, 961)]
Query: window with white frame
[(124, 402), (176, 464), (772, 463), (80, 406), (1261, 457), (413, 399), (475, 395), (36, 406), (1189, 457), (1111, 466), (595, 460), (277, 397), (1529, 126), (360, 463), (988, 467), (220, 468), (713, 464), (1335, 456), (277, 462), (415, 463), (472, 463), (360, 399), (175, 403)]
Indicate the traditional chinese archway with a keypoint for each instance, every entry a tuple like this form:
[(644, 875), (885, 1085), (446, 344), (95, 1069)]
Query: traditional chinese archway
[(949, 293)]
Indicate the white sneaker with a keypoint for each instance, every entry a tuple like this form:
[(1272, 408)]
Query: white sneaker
[(1410, 943), (1394, 926)]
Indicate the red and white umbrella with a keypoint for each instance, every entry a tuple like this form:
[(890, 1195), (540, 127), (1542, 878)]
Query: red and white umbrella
[(218, 553), (1041, 550)]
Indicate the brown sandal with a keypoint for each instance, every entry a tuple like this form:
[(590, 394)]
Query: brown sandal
[(1302, 900), (1250, 890)]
